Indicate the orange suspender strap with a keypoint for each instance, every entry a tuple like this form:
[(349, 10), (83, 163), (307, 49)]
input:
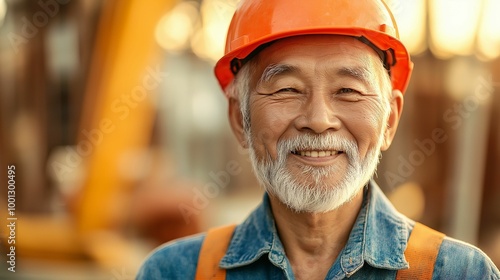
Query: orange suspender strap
[(421, 253), (212, 250)]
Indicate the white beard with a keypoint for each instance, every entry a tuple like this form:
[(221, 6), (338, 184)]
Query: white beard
[(309, 193)]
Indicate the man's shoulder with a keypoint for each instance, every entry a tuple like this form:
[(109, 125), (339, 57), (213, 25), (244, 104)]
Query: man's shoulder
[(460, 260), (174, 259)]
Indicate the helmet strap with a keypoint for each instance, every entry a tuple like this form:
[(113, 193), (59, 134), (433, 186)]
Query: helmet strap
[(388, 56)]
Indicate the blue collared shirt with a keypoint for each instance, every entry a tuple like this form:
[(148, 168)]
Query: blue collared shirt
[(375, 250)]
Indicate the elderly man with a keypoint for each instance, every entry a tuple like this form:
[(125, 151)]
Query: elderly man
[(315, 92)]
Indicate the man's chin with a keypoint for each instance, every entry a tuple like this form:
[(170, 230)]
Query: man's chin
[(316, 208), (321, 183), (315, 198), (328, 181)]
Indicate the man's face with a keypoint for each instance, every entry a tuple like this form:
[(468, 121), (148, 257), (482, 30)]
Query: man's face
[(318, 115)]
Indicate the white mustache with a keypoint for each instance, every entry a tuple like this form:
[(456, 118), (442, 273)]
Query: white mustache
[(318, 142)]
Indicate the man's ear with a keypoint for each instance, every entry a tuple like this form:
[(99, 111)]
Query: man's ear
[(396, 104), (236, 121)]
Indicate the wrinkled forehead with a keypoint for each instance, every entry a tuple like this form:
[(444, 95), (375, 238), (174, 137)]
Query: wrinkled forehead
[(319, 44), (322, 51)]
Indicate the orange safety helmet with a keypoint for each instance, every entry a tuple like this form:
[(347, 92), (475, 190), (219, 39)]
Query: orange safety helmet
[(259, 22)]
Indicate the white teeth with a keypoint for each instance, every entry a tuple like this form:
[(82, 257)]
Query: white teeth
[(317, 153)]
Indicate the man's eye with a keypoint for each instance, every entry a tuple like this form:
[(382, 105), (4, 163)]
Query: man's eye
[(287, 90), (346, 90)]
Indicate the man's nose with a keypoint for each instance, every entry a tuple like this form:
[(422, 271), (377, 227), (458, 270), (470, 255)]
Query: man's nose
[(319, 115)]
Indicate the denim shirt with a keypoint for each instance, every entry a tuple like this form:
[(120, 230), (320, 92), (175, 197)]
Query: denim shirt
[(375, 250)]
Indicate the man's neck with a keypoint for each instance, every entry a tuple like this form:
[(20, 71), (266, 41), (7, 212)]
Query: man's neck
[(312, 241)]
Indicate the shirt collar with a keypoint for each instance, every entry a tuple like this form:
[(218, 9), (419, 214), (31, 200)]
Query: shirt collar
[(253, 238), (378, 237)]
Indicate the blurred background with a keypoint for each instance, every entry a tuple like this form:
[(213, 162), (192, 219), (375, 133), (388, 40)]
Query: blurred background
[(117, 129)]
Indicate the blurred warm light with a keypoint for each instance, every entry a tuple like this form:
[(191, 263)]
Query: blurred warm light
[(410, 16), (454, 26), (3, 10), (175, 29), (206, 112), (489, 33), (209, 42), (465, 78), (409, 199), (457, 27)]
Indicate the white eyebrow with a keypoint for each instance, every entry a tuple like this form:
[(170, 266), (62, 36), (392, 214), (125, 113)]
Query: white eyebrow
[(276, 69), (359, 73)]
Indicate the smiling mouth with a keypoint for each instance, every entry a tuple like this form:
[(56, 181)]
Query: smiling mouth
[(316, 154)]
